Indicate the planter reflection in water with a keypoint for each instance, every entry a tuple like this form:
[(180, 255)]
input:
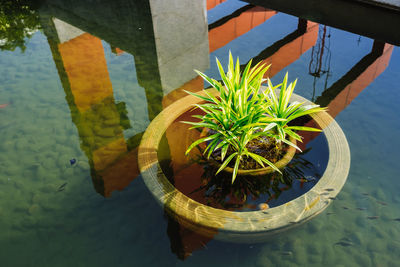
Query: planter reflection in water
[(251, 226)]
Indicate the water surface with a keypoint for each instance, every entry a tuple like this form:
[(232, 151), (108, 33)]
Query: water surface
[(77, 94)]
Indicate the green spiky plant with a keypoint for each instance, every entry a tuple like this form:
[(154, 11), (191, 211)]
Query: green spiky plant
[(280, 107), (242, 113)]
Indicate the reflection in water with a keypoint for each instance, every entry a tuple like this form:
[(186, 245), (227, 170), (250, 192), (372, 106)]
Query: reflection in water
[(290, 48), (344, 90), (340, 94), (180, 36), (142, 28), (82, 68), (18, 22), (213, 3), (99, 119), (320, 65), (228, 29), (280, 54), (80, 60), (315, 67), (127, 25)]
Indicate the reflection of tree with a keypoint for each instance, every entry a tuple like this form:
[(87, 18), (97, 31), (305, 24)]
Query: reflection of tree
[(18, 20)]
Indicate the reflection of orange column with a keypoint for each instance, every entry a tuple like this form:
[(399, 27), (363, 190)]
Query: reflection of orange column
[(213, 3), (179, 138), (235, 27), (117, 51), (174, 132), (85, 65), (121, 173), (194, 85), (292, 51), (351, 91), (189, 240)]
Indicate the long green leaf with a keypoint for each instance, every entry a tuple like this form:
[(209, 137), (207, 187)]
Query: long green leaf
[(291, 144), (236, 168), (199, 141), (304, 128), (226, 162)]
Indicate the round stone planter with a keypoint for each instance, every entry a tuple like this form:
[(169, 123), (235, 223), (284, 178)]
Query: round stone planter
[(252, 226)]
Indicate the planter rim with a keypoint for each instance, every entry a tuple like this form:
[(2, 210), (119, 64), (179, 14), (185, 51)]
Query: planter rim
[(251, 226)]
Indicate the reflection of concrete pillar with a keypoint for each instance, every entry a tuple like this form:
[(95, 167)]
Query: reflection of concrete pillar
[(126, 24), (180, 32), (65, 31)]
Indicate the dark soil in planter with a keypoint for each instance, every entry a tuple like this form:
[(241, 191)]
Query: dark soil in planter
[(264, 146)]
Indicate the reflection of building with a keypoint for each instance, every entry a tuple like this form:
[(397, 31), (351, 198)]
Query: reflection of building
[(338, 96), (221, 33), (281, 54), (290, 48), (164, 65), (343, 91), (80, 60), (180, 35), (165, 37), (83, 71)]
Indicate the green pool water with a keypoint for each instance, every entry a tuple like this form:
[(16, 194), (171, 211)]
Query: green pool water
[(76, 100)]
